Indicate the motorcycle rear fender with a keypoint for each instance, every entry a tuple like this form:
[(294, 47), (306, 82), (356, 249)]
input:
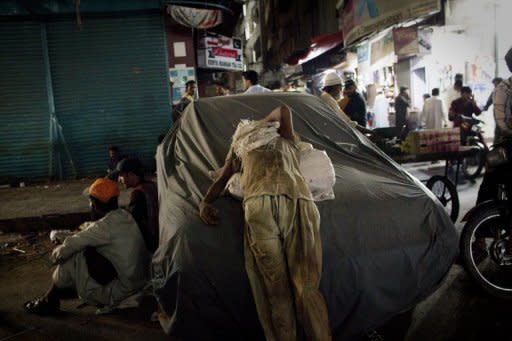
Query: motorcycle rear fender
[(482, 206)]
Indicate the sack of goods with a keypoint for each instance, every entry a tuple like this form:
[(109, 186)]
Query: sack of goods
[(316, 168)]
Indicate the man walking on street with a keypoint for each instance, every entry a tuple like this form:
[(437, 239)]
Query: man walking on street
[(432, 115), (330, 94), (503, 91), (402, 105), (465, 105), (453, 93), (356, 106), (250, 81), (496, 81), (283, 254)]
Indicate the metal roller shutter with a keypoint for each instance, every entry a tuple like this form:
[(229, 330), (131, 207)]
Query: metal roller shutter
[(110, 87), (24, 114)]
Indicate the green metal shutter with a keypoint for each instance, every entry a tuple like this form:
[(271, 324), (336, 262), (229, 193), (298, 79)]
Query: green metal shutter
[(24, 115), (110, 86)]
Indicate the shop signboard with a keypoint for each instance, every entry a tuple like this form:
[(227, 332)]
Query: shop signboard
[(178, 78), (381, 47), (425, 41), (216, 51), (362, 53), (363, 17), (405, 40)]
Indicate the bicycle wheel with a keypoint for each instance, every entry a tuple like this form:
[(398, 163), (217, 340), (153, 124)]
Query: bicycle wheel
[(493, 271), (472, 165), (446, 192)]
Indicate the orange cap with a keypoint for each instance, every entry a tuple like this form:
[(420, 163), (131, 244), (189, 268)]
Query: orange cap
[(104, 189)]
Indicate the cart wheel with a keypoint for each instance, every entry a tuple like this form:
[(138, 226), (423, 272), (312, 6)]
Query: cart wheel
[(446, 192)]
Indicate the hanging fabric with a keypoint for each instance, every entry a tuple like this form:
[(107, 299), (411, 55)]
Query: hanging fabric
[(194, 17)]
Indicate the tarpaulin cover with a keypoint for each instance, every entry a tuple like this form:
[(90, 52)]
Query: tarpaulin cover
[(387, 241)]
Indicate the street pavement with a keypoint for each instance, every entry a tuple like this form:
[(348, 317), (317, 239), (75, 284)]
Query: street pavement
[(456, 311)]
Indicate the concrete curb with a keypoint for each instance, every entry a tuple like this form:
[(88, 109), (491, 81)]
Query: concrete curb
[(43, 223)]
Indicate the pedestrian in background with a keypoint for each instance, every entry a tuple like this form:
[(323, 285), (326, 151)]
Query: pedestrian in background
[(453, 93), (501, 99), (402, 105), (187, 98), (250, 82), (432, 115), (331, 93), (496, 81), (356, 106), (463, 106), (221, 89), (114, 158), (381, 110)]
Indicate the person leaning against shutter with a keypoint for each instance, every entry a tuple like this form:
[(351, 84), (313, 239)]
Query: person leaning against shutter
[(282, 247)]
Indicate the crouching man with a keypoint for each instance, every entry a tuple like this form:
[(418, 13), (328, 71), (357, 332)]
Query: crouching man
[(105, 263), (283, 254)]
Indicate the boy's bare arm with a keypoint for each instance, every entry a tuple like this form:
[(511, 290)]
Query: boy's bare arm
[(283, 115), (207, 212)]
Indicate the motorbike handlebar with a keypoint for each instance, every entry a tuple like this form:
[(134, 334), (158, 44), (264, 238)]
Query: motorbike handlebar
[(471, 119)]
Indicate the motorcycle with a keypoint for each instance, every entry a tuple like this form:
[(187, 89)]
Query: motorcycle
[(472, 135), (486, 239)]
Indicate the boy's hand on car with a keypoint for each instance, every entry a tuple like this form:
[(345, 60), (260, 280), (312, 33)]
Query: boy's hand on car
[(208, 214)]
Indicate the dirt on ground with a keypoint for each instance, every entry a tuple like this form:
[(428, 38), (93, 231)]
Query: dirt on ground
[(50, 198), (25, 273)]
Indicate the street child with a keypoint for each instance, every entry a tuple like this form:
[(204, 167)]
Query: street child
[(143, 203), (283, 254)]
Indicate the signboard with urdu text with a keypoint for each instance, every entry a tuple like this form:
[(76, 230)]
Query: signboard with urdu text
[(405, 40), (363, 17), (381, 47), (216, 51)]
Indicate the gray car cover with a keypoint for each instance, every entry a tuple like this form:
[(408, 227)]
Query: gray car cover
[(387, 241)]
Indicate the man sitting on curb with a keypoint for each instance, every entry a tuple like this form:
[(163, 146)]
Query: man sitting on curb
[(143, 200), (105, 263)]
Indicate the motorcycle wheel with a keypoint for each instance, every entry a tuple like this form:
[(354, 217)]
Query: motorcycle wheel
[(472, 166), (494, 273), (446, 192)]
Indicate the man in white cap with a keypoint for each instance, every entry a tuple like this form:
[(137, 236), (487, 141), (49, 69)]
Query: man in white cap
[(332, 85)]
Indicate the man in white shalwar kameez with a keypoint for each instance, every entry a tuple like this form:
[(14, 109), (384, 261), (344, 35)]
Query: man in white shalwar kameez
[(105, 263), (381, 110)]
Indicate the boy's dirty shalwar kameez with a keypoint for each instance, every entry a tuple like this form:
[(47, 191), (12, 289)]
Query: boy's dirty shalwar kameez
[(283, 255)]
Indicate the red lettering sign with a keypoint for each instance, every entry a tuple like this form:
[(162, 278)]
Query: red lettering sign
[(222, 52)]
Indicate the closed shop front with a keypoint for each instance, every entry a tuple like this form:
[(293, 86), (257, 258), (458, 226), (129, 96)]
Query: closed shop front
[(107, 84), (24, 118)]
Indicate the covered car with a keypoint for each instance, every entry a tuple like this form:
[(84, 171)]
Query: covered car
[(387, 242)]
